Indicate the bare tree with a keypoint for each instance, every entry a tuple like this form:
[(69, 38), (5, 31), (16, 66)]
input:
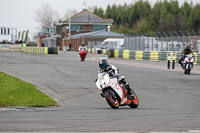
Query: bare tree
[(90, 8), (69, 13), (46, 16)]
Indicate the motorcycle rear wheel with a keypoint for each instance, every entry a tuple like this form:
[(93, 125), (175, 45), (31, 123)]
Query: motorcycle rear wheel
[(114, 103), (188, 72), (134, 101)]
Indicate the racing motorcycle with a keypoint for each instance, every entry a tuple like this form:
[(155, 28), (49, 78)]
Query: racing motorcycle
[(115, 93), (188, 63), (83, 54)]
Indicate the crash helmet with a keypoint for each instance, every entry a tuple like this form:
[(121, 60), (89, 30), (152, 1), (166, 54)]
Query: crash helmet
[(103, 64), (187, 47), (82, 44)]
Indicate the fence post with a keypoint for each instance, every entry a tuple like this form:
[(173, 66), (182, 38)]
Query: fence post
[(173, 64), (168, 60), (167, 40), (196, 40), (161, 41)]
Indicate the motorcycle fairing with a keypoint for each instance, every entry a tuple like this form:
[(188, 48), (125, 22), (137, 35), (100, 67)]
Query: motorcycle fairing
[(104, 81)]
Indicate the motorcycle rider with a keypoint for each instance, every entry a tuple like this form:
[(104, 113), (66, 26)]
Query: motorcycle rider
[(186, 51), (82, 47), (114, 72)]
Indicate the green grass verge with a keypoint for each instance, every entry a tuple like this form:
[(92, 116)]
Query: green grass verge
[(15, 92)]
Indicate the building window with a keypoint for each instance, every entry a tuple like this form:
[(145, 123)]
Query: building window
[(97, 27), (81, 27), (46, 30), (92, 27), (49, 30), (76, 27)]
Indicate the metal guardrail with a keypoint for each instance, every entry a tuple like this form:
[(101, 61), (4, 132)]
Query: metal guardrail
[(34, 50), (9, 47), (39, 50), (144, 55)]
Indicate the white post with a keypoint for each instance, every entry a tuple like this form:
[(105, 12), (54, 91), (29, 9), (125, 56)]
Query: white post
[(69, 27)]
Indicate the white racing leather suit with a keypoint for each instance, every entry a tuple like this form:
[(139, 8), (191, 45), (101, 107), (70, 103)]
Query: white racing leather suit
[(114, 72), (82, 48)]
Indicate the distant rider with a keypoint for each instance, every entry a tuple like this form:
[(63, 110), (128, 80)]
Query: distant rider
[(82, 47), (186, 51), (114, 72)]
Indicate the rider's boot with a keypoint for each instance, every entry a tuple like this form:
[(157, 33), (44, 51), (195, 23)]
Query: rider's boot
[(102, 94), (181, 64), (130, 93)]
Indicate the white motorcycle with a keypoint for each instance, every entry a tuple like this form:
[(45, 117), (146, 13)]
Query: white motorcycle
[(115, 93), (188, 63)]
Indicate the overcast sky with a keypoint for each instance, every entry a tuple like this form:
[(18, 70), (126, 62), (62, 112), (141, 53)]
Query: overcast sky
[(21, 14)]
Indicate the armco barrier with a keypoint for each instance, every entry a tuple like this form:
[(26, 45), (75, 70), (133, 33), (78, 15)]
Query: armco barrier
[(116, 53), (147, 55), (110, 53), (9, 47), (104, 51), (15, 47), (154, 56), (126, 54), (89, 50), (4, 47), (120, 53), (131, 54), (53, 50), (139, 55), (162, 55), (93, 50), (34, 50), (197, 58)]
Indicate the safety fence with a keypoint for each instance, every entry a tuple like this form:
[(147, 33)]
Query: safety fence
[(9, 47), (162, 41), (143, 55), (40, 50)]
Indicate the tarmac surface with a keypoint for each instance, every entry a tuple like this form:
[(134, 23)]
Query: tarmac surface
[(169, 100)]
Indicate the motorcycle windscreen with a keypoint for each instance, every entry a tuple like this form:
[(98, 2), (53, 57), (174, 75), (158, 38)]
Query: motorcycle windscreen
[(101, 81), (107, 79), (98, 84)]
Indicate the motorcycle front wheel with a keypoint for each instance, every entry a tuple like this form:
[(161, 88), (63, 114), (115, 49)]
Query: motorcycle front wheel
[(114, 103), (83, 57), (185, 72), (188, 69), (134, 101)]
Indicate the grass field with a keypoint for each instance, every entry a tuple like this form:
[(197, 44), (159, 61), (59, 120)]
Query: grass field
[(15, 92)]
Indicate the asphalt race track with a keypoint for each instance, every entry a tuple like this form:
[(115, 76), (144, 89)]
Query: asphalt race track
[(169, 100)]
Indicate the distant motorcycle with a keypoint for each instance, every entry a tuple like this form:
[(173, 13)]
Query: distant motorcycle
[(83, 54), (188, 63), (115, 93)]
